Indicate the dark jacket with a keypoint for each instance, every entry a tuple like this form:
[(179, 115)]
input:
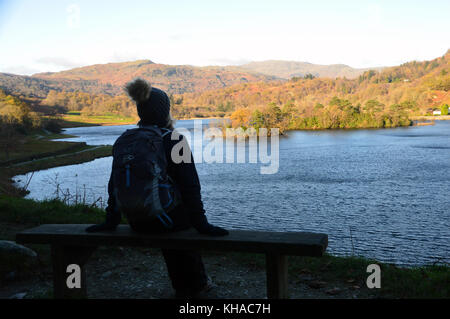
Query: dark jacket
[(184, 175)]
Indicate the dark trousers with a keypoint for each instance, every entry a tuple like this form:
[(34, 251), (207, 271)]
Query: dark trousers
[(185, 267), (186, 270)]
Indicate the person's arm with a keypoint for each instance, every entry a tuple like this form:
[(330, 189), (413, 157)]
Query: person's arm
[(186, 179), (113, 215)]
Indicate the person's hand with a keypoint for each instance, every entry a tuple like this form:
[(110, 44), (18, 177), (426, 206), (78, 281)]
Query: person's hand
[(208, 229), (101, 227)]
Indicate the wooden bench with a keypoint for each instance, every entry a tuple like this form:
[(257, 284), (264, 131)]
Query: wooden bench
[(71, 244)]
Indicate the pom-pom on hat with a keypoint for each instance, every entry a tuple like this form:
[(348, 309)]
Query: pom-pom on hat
[(153, 105)]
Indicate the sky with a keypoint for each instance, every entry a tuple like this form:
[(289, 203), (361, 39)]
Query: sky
[(50, 36)]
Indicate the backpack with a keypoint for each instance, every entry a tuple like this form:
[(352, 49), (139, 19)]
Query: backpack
[(142, 189)]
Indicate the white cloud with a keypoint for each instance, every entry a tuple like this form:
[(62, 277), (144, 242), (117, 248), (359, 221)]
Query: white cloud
[(57, 62)]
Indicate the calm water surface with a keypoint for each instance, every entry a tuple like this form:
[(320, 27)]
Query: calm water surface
[(383, 194)]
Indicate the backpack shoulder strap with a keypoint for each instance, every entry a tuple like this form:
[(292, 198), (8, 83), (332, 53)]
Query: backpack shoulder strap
[(150, 128), (165, 131)]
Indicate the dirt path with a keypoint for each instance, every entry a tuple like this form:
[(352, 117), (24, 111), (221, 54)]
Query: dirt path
[(141, 274)]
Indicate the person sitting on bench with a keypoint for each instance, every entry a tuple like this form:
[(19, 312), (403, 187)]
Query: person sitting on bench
[(175, 205)]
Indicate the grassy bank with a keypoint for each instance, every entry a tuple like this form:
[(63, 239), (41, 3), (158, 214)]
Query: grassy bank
[(35, 146), (431, 118), (345, 272), (75, 119), (37, 152), (29, 213)]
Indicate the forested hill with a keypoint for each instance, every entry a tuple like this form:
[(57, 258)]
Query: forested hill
[(414, 88), (109, 79), (171, 78), (175, 79), (290, 69), (27, 86)]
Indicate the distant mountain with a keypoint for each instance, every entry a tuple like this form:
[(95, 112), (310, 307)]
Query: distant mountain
[(417, 87), (27, 86), (290, 69), (172, 78), (176, 79)]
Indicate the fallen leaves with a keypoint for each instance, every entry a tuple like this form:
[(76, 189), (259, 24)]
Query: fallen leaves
[(333, 291), (316, 284)]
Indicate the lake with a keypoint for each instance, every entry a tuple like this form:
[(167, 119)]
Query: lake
[(383, 194)]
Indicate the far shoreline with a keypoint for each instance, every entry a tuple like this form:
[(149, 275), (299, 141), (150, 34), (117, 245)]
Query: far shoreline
[(67, 124), (431, 118), (421, 120)]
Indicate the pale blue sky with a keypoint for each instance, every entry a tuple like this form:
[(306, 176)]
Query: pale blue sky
[(38, 36)]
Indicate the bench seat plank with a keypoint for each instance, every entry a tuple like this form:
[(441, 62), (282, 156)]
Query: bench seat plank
[(72, 244), (290, 243)]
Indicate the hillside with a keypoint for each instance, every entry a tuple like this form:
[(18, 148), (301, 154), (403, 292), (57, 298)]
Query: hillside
[(426, 83), (413, 88), (175, 79), (172, 78), (290, 69), (26, 86)]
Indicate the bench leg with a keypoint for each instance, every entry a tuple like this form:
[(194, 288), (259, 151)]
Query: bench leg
[(276, 271), (62, 256)]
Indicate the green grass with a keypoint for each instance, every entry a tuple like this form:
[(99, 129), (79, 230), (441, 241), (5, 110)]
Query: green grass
[(37, 152), (17, 214), (88, 153), (36, 146), (30, 212), (80, 119)]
